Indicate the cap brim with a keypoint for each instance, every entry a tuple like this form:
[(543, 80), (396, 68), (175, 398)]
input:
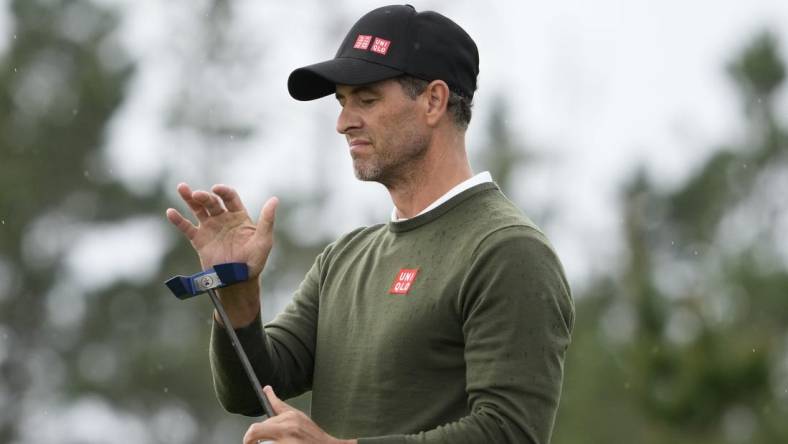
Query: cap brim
[(319, 80)]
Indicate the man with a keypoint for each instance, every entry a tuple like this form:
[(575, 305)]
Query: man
[(447, 324)]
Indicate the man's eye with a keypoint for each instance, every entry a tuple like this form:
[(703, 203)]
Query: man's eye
[(368, 101)]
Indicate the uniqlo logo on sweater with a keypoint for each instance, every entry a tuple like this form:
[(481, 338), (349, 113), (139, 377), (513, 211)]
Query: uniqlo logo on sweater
[(363, 41), (403, 281), (380, 46)]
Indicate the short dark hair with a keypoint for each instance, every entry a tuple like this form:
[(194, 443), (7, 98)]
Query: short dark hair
[(459, 106)]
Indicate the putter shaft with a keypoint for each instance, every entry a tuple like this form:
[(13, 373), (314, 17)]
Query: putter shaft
[(228, 327)]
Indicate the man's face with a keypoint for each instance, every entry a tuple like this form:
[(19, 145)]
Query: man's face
[(384, 130)]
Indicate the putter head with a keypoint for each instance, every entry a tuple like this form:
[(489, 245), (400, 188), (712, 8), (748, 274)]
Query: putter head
[(221, 275)]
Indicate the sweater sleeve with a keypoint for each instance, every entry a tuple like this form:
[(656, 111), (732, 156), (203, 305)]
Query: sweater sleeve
[(517, 317), (281, 353)]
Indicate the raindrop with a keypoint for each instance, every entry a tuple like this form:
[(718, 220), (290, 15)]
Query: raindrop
[(2, 221), (744, 165), (74, 111), (16, 70), (14, 36), (695, 252), (753, 350), (166, 390), (86, 173)]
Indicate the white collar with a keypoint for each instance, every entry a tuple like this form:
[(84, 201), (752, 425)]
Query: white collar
[(480, 178)]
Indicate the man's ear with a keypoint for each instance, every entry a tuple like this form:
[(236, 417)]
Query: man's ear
[(437, 96)]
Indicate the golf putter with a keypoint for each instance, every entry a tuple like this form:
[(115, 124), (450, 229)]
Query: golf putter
[(221, 275)]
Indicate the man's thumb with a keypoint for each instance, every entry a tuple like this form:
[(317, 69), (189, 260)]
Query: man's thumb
[(265, 224)]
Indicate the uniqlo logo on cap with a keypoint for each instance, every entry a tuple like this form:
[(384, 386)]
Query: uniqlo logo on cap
[(362, 41), (403, 281), (380, 46)]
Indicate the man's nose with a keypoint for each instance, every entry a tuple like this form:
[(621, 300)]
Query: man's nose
[(347, 120)]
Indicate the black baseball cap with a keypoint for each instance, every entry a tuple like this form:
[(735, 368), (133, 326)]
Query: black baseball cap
[(391, 41)]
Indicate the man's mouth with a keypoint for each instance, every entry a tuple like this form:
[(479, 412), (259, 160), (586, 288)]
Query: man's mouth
[(358, 144)]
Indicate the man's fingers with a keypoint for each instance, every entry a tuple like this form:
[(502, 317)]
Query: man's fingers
[(278, 405), (181, 223), (186, 194), (255, 433), (230, 197), (289, 425), (209, 201), (265, 224), (271, 428)]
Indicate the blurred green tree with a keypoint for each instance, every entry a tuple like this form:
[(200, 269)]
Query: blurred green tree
[(686, 343), (124, 342), (55, 96), (502, 154)]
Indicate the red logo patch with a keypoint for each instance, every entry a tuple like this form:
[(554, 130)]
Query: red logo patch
[(362, 41), (380, 46), (403, 281)]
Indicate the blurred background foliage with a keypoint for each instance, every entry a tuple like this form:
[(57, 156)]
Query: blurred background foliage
[(685, 341)]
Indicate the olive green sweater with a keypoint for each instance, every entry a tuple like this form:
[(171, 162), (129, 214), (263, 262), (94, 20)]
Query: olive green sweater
[(450, 327)]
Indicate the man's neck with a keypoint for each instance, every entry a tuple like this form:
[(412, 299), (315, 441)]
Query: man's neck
[(439, 172)]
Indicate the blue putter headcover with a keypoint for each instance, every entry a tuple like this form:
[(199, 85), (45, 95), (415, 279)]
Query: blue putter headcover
[(221, 275)]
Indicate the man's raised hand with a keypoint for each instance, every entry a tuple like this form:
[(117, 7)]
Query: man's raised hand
[(225, 233), (224, 230)]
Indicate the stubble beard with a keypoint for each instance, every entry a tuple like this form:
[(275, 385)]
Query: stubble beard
[(391, 166)]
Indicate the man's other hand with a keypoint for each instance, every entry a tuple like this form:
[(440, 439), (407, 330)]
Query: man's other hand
[(289, 426)]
